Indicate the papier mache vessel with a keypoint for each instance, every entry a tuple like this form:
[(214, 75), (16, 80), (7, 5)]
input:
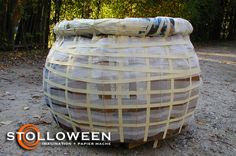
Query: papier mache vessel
[(137, 78)]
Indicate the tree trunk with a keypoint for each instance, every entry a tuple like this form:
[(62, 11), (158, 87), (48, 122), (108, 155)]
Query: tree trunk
[(33, 28), (8, 10), (57, 11)]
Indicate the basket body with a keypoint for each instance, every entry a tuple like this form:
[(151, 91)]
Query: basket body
[(137, 88)]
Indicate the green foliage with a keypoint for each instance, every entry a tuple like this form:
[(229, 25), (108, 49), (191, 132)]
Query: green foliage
[(206, 17), (24, 22), (143, 8)]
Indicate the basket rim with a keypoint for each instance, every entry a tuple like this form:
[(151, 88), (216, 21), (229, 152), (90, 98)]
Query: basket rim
[(138, 27)]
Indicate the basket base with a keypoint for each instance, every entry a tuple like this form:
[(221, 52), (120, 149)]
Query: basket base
[(130, 144), (156, 140)]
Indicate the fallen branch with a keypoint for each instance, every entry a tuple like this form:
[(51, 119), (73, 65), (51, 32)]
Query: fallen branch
[(5, 79)]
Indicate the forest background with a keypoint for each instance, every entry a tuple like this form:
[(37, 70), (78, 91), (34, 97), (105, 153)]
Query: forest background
[(28, 24)]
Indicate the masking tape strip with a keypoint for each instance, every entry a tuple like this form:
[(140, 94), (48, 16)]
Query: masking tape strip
[(97, 106), (66, 95), (113, 125), (125, 45), (148, 82), (82, 123), (87, 91), (120, 54), (120, 114), (50, 99), (189, 95), (122, 69), (169, 76), (88, 100), (171, 95), (155, 144)]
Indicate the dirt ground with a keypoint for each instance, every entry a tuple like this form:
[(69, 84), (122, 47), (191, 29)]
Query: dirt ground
[(212, 130)]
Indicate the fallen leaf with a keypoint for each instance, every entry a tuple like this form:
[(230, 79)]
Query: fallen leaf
[(6, 122), (5, 79), (8, 93), (11, 98), (36, 96), (36, 116), (201, 122), (41, 121), (26, 108)]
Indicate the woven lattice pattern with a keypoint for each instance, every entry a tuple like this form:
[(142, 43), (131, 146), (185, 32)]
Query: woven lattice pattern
[(138, 88), (135, 88)]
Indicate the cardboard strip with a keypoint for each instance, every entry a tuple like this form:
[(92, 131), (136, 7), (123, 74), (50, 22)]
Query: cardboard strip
[(88, 103), (148, 100), (121, 93), (138, 106), (66, 95), (171, 95), (189, 96), (169, 76), (120, 114), (121, 55), (77, 90), (124, 46), (113, 126), (122, 69)]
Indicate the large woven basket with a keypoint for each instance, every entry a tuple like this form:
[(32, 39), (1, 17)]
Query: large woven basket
[(136, 78)]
